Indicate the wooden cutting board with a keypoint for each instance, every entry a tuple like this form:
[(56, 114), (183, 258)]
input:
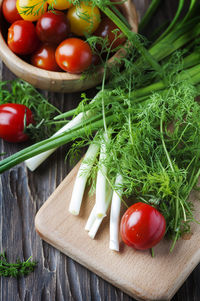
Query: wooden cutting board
[(134, 272)]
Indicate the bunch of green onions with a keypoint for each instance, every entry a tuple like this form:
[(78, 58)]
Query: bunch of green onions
[(125, 116)]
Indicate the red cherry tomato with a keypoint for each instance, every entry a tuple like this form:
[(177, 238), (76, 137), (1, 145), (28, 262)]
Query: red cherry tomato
[(10, 11), (107, 28), (142, 226), (44, 58), (74, 55), (96, 59), (12, 119), (22, 37), (53, 27)]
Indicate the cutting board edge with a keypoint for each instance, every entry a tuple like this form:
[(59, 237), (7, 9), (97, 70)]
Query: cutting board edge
[(165, 295), (46, 237), (40, 224)]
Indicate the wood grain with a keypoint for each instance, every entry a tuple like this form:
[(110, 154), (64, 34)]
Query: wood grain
[(22, 193)]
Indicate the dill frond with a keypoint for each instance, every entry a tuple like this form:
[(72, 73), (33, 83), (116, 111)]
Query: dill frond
[(17, 269)]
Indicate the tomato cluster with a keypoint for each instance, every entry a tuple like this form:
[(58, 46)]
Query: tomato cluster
[(53, 37)]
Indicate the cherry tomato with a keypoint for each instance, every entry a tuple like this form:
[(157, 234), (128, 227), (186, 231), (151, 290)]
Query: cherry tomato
[(74, 55), (142, 226), (96, 59), (84, 19), (10, 11), (107, 28), (44, 58), (53, 27), (32, 14), (22, 37), (60, 4), (12, 119)]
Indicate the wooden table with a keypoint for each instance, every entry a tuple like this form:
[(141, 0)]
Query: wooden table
[(22, 193)]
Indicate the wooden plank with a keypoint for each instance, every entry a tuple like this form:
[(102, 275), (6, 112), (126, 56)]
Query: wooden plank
[(134, 272)]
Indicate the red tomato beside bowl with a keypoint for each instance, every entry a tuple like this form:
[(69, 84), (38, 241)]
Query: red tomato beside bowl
[(13, 119)]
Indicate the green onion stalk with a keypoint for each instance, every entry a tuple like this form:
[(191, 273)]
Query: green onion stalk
[(93, 123)]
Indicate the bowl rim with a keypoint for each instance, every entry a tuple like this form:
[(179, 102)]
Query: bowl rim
[(31, 73)]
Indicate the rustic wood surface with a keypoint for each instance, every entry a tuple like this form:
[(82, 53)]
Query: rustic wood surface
[(22, 193)]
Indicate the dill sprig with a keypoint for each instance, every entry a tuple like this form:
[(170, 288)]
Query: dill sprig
[(17, 269), (155, 145), (157, 158)]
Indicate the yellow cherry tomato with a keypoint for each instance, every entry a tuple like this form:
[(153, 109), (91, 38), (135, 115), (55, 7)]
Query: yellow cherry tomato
[(83, 19), (60, 4), (31, 10)]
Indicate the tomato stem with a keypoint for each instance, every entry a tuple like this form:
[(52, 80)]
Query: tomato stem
[(152, 252)]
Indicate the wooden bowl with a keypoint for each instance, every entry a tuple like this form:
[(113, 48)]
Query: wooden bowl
[(58, 81)]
